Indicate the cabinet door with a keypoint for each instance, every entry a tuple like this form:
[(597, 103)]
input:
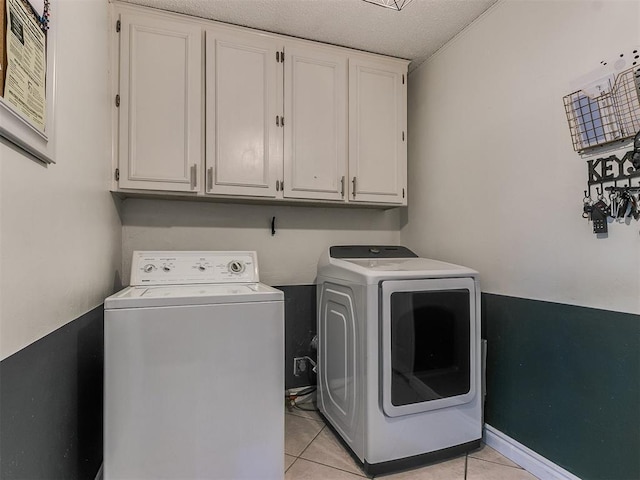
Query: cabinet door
[(377, 143), (243, 142), (160, 117), (315, 132)]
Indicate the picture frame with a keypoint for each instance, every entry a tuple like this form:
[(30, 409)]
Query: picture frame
[(18, 131)]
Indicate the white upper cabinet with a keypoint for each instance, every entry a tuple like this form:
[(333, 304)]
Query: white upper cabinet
[(243, 142), (160, 97), (315, 130), (213, 110), (377, 131)]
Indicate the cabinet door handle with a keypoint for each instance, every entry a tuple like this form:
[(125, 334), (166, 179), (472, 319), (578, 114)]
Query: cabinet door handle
[(277, 185), (354, 187), (210, 178), (194, 176), (342, 186)]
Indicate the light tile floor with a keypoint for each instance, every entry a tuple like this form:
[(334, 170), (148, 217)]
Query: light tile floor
[(312, 452)]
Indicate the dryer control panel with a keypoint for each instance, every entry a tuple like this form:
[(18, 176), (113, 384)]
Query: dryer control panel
[(186, 268)]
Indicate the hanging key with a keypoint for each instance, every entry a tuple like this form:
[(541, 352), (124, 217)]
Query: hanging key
[(624, 204), (614, 202), (634, 212)]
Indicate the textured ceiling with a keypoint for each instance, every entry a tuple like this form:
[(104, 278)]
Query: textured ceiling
[(414, 33)]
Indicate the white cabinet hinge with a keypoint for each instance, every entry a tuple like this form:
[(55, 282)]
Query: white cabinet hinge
[(117, 100), (117, 174), (118, 26)]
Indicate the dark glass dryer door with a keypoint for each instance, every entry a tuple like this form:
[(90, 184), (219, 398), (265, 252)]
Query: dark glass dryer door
[(429, 344)]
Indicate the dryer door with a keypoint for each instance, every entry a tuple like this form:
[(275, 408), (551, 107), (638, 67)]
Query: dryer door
[(430, 337)]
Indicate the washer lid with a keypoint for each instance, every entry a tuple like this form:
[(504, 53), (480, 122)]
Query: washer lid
[(182, 295)]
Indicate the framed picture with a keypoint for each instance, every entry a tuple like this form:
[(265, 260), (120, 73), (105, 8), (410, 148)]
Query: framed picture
[(28, 80)]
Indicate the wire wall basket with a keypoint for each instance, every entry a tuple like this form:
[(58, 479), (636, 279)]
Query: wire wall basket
[(612, 115)]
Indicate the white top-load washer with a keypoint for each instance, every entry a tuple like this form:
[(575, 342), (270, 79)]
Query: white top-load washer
[(193, 379), (399, 355)]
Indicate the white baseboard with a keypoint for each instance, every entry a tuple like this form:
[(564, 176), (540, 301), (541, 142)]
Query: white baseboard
[(531, 461), (99, 475)]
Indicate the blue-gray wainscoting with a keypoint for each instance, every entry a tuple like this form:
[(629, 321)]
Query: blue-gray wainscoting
[(565, 382), (51, 404)]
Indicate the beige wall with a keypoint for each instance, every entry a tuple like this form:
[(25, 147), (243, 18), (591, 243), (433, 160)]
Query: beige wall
[(289, 257), (60, 235), (493, 180)]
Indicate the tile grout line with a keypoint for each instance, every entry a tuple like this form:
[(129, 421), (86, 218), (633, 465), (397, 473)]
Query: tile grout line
[(297, 457), (466, 462), (324, 464), (309, 444), (304, 416), (517, 467), (332, 467), (287, 469), (320, 463)]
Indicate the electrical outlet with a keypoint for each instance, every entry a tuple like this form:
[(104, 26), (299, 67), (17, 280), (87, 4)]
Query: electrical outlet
[(299, 366)]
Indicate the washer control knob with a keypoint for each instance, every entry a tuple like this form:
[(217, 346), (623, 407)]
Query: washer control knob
[(166, 269), (148, 268), (236, 266), (202, 268)]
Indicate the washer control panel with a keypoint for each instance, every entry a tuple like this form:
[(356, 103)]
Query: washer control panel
[(185, 268)]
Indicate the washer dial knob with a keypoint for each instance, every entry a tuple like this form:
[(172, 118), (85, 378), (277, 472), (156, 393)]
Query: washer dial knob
[(148, 268), (236, 266)]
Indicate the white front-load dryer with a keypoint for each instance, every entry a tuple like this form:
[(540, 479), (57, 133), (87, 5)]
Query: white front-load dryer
[(399, 358), (193, 375)]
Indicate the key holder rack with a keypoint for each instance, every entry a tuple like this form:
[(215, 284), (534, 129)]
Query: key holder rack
[(604, 109), (616, 176)]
